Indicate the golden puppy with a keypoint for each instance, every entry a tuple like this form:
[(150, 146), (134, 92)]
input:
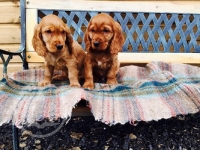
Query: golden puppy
[(53, 41), (103, 39)]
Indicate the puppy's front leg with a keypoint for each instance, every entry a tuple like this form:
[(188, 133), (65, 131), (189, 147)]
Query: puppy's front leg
[(111, 77), (48, 73), (89, 84), (73, 74)]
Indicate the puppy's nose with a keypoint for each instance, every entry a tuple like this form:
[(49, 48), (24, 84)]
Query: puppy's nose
[(59, 47), (96, 44)]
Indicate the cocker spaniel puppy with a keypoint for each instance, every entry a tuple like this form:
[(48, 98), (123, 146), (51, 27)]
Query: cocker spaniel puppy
[(103, 39), (53, 41)]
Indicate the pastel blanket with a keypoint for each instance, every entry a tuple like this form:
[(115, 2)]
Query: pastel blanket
[(158, 90)]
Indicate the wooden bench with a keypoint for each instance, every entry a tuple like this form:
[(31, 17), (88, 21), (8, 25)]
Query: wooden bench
[(154, 30)]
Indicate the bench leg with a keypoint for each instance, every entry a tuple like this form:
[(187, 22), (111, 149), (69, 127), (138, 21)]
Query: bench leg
[(15, 138)]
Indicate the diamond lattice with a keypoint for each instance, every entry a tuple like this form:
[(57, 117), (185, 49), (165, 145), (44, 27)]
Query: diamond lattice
[(144, 32)]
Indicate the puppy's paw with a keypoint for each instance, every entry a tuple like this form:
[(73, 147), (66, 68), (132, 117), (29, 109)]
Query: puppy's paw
[(74, 82), (88, 85), (75, 85), (44, 83), (112, 81)]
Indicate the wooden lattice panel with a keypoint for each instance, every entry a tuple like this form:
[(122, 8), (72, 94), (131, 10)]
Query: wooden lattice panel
[(144, 32)]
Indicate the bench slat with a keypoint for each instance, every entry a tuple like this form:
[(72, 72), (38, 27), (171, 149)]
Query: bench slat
[(128, 6), (10, 33), (12, 12), (135, 58), (31, 21)]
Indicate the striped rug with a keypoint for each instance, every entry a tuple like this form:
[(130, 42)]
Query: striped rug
[(158, 90)]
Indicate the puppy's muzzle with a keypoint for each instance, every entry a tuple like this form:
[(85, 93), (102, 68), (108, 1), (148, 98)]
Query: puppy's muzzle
[(59, 47), (96, 44)]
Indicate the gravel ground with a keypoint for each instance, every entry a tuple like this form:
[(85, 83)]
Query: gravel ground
[(84, 133)]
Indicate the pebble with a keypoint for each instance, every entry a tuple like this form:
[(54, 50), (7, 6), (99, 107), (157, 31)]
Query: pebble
[(26, 132), (22, 145), (37, 141), (132, 136), (106, 147), (75, 148), (2, 146), (39, 147), (24, 138), (75, 135)]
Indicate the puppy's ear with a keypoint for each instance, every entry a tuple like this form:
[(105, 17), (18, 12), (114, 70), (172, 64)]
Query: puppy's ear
[(38, 43), (69, 39), (87, 40), (118, 39)]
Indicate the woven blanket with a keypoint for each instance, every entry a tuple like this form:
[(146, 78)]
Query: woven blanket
[(158, 90)]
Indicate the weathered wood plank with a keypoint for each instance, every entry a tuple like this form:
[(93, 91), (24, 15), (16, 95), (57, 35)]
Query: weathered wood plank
[(33, 57), (10, 33), (30, 24), (137, 6), (9, 12), (191, 58), (10, 47), (13, 67), (9, 0)]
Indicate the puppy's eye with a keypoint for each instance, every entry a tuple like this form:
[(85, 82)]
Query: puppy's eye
[(92, 30), (62, 32), (48, 31), (106, 30)]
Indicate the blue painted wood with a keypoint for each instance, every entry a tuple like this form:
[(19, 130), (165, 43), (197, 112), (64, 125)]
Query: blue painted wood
[(141, 23)]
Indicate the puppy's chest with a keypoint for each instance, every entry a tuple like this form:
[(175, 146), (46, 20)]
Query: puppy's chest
[(102, 62), (58, 62)]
